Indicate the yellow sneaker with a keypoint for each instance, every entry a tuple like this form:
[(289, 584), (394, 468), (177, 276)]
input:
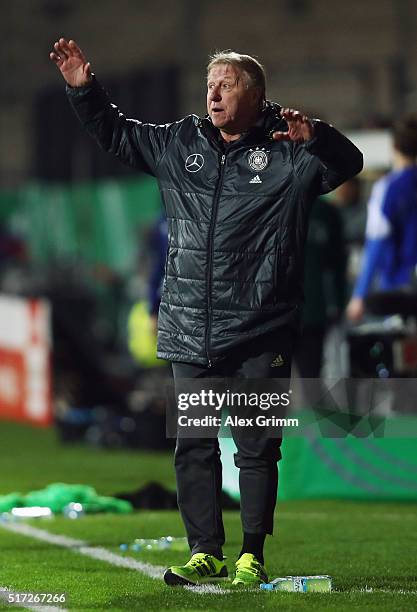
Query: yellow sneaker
[(249, 572), (200, 569)]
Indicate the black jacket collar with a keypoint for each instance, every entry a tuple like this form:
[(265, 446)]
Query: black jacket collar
[(269, 120)]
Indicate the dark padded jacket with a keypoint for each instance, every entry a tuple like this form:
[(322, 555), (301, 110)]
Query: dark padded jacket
[(237, 218)]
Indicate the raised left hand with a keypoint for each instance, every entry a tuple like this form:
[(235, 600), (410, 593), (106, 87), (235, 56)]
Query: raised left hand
[(300, 127)]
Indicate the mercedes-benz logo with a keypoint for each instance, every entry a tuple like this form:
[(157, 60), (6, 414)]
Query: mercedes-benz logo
[(194, 162)]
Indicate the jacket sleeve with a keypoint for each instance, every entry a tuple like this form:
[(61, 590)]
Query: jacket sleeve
[(137, 144), (328, 160)]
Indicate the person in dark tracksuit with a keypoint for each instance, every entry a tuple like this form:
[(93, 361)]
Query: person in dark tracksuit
[(237, 186), (324, 290)]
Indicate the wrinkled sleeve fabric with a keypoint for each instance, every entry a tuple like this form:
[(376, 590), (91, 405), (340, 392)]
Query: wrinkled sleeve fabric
[(137, 144), (159, 247), (327, 160)]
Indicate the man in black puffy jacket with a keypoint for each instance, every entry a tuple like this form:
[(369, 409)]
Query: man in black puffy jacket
[(237, 187)]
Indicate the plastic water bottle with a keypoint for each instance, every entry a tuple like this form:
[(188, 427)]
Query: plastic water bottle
[(164, 543), (300, 584), (21, 513), (32, 512), (73, 510)]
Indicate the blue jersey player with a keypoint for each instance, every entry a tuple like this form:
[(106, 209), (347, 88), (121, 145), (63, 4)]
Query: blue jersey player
[(390, 255)]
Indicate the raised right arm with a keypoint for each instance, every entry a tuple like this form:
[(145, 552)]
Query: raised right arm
[(141, 145)]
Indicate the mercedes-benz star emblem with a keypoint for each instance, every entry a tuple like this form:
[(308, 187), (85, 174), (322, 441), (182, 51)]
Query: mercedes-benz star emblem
[(194, 162)]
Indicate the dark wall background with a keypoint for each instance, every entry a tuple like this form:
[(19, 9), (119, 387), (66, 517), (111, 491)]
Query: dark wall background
[(62, 149), (353, 63)]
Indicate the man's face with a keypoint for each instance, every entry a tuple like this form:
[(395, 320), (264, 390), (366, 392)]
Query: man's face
[(231, 104)]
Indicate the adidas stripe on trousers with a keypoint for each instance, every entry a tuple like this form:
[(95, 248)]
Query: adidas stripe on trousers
[(197, 460)]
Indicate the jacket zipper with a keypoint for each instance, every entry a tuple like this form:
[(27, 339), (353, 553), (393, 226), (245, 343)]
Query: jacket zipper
[(210, 255)]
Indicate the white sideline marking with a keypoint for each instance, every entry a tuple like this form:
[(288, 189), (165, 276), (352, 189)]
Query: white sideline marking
[(40, 534), (4, 595), (152, 571), (207, 589), (96, 552)]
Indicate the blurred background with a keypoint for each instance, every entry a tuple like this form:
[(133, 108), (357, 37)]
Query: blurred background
[(79, 243)]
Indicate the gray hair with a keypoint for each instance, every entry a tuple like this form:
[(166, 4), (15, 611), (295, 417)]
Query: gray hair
[(253, 70)]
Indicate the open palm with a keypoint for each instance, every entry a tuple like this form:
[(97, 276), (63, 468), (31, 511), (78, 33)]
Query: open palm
[(71, 62), (300, 127)]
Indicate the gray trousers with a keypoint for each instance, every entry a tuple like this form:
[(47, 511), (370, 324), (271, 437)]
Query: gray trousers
[(197, 460)]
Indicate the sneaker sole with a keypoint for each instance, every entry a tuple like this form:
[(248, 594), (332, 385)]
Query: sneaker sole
[(247, 585), (172, 579)]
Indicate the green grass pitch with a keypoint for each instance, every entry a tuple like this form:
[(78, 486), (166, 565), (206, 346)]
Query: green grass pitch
[(369, 549)]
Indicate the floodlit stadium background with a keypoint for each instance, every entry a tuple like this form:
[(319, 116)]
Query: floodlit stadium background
[(76, 352)]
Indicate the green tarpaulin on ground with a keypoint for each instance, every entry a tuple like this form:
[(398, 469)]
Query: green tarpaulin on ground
[(58, 495)]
